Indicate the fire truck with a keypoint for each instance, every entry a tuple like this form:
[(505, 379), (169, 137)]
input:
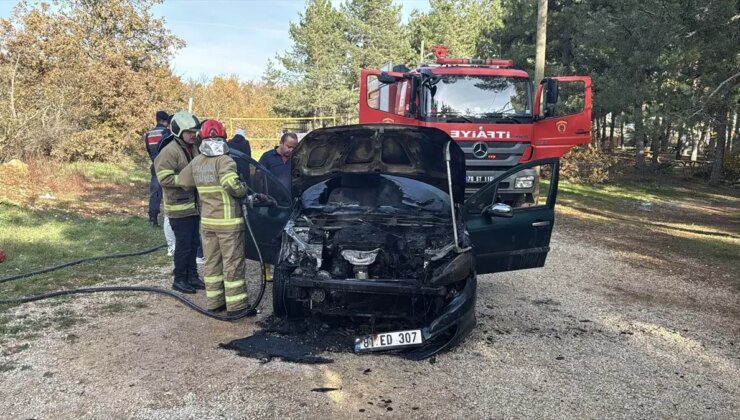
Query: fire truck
[(491, 109)]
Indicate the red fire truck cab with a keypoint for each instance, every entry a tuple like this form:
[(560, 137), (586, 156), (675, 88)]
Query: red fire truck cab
[(491, 109)]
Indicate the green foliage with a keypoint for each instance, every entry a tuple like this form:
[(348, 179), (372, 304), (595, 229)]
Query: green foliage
[(316, 69), (732, 167), (319, 76), (462, 25)]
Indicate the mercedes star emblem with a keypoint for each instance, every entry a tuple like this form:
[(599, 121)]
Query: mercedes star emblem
[(480, 150)]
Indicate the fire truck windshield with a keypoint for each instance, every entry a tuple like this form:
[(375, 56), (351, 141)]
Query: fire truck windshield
[(471, 98)]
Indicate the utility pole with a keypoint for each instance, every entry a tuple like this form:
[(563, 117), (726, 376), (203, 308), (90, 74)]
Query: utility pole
[(539, 61), (421, 53)]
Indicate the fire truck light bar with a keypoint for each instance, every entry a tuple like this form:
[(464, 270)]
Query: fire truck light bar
[(441, 52)]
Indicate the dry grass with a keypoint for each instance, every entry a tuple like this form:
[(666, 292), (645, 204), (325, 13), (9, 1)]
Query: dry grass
[(24, 184)]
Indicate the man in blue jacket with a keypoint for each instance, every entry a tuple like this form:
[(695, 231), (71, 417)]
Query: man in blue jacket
[(151, 140), (277, 160)]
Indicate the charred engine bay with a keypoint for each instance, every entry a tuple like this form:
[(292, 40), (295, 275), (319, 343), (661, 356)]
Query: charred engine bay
[(368, 246), (358, 230)]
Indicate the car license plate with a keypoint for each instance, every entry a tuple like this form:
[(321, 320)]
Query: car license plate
[(389, 340), (479, 179)]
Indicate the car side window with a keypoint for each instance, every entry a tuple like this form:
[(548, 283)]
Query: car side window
[(526, 188), (390, 98), (571, 99)]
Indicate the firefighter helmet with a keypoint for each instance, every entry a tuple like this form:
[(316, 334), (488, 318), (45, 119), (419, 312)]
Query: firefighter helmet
[(212, 128), (183, 121)]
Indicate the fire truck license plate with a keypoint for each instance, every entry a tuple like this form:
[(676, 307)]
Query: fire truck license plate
[(479, 179), (389, 340)]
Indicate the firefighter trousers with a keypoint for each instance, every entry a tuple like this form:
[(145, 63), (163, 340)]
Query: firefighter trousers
[(224, 270)]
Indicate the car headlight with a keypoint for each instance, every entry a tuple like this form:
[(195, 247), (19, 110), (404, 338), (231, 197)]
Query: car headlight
[(522, 182)]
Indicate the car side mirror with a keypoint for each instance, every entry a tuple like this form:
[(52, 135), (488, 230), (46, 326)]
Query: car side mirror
[(386, 78), (500, 210)]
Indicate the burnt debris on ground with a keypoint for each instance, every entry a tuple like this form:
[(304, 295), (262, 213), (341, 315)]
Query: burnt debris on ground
[(299, 340)]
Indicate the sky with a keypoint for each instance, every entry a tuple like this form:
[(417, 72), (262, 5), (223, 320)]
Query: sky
[(231, 36)]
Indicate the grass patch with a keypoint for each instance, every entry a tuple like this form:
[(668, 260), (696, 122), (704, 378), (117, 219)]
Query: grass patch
[(685, 222), (34, 239), (111, 172)]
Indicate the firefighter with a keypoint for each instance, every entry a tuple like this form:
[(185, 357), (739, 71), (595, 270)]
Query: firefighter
[(151, 141), (175, 152), (214, 175)]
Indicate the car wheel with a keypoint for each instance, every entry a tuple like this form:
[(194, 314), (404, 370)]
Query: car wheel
[(283, 306)]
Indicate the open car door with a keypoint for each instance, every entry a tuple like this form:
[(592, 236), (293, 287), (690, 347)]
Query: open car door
[(267, 217), (513, 235), (563, 107)]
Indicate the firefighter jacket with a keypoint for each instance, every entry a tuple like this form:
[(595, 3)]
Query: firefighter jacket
[(214, 175), (152, 138), (174, 156)]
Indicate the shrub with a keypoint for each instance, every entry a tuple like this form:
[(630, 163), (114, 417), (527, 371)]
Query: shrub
[(588, 165), (731, 169)]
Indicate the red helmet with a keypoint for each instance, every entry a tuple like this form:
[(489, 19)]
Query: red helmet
[(212, 128)]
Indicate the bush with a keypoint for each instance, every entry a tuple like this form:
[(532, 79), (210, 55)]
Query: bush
[(731, 168), (588, 165)]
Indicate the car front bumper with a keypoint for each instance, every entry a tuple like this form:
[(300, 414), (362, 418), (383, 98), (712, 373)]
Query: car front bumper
[(444, 329)]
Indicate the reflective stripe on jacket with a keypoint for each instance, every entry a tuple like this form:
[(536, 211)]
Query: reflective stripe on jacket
[(177, 201), (152, 139), (218, 188)]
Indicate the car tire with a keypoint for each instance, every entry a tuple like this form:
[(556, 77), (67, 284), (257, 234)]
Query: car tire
[(281, 305)]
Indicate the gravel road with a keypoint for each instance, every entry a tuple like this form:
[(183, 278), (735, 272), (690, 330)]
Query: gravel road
[(589, 335)]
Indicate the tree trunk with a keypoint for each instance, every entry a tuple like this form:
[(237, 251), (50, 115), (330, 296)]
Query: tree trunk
[(541, 42), (611, 132), (732, 130), (621, 131), (656, 140), (598, 130), (719, 150), (665, 134), (712, 146), (639, 136), (603, 129), (679, 142), (701, 138)]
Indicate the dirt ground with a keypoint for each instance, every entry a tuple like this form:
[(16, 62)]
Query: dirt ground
[(589, 335)]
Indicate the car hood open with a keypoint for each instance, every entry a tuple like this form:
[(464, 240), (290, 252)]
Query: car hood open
[(407, 151)]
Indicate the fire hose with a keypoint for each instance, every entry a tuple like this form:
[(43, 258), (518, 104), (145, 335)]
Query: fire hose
[(250, 311)]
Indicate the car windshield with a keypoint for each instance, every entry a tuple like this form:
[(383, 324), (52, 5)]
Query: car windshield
[(462, 98)]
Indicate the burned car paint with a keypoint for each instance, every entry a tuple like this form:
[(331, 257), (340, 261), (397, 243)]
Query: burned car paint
[(366, 232), (371, 234)]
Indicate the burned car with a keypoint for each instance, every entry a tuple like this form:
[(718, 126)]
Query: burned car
[(376, 226)]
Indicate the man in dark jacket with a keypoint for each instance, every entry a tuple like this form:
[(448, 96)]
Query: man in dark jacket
[(277, 160), (151, 141), (240, 143)]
